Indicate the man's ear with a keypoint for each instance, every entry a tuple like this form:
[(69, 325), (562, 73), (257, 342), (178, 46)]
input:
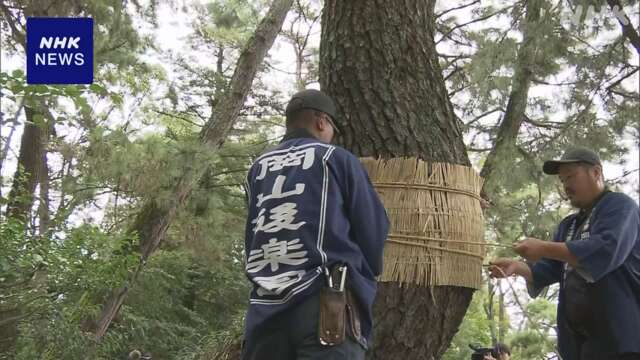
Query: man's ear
[(601, 173), (597, 172), (321, 123)]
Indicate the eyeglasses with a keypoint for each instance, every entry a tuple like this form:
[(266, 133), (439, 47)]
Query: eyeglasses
[(333, 125)]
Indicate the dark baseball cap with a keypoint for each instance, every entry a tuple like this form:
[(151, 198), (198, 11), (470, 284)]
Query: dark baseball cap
[(311, 99), (574, 155)]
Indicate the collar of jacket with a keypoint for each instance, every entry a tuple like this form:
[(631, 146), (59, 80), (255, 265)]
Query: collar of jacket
[(297, 133), (583, 213)]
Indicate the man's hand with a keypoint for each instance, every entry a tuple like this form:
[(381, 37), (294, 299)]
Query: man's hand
[(502, 268), (531, 249)]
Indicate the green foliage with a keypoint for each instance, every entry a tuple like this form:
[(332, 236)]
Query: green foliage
[(178, 301), (56, 284), (190, 298), (537, 339), (231, 22), (474, 330)]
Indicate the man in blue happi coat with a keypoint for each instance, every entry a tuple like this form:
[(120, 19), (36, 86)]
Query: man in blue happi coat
[(311, 209), (595, 257)]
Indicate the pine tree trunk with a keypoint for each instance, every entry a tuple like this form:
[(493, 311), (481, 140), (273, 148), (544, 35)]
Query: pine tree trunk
[(378, 61), (25, 179), (505, 141), (154, 219)]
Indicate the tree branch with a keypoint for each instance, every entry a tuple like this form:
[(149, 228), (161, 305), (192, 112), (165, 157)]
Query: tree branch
[(627, 26), (438, 15), (482, 18), (622, 79), (177, 117), (17, 35)]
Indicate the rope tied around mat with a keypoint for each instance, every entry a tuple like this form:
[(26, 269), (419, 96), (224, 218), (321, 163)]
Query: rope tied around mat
[(437, 226), (393, 185), (426, 238)]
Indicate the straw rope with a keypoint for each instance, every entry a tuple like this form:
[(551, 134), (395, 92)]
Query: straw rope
[(435, 248), (437, 227), (424, 187), (426, 238)]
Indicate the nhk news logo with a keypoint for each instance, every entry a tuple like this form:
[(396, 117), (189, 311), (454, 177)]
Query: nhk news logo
[(59, 50)]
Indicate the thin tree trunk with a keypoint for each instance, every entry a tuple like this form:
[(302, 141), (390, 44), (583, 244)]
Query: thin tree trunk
[(489, 310), (517, 103), (378, 61), (44, 215), (25, 179), (501, 314), (300, 85), (220, 60), (155, 217), (299, 42)]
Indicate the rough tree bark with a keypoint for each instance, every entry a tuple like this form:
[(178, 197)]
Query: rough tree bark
[(155, 217), (25, 179), (378, 61)]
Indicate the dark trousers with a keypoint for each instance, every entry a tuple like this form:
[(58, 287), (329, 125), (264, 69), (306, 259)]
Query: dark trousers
[(587, 352), (590, 351), (293, 335)]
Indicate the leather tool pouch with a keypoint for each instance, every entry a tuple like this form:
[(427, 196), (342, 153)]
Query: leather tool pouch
[(354, 317), (332, 322)]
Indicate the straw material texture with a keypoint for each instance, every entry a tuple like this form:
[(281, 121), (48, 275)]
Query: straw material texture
[(437, 227)]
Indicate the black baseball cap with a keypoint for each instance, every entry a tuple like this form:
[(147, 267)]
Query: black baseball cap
[(311, 99), (574, 155)]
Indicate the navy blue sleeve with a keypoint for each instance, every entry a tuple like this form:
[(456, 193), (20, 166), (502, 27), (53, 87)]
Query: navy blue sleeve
[(367, 216), (546, 271), (612, 236)]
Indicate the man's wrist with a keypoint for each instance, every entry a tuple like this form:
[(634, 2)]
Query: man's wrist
[(525, 271)]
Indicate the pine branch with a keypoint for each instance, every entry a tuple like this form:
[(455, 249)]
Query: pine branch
[(482, 18), (175, 116), (617, 82), (486, 113), (546, 125), (438, 15)]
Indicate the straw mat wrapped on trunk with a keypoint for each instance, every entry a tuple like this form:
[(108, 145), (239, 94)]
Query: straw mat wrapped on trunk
[(437, 226)]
